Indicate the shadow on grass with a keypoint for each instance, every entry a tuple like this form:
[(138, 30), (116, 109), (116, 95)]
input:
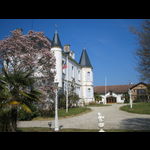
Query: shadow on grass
[(136, 124)]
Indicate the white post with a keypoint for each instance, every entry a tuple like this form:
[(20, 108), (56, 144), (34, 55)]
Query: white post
[(67, 85), (56, 110), (105, 90), (130, 98)]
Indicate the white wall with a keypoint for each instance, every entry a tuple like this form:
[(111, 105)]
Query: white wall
[(87, 83), (118, 97), (83, 82), (74, 73)]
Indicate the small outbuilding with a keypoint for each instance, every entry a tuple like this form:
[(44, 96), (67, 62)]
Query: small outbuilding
[(115, 93)]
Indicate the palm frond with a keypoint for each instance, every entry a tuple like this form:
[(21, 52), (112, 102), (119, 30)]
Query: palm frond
[(36, 92), (4, 93), (14, 102), (25, 108), (25, 94), (28, 74)]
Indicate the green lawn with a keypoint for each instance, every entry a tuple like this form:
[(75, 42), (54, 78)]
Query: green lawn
[(76, 130), (38, 129), (98, 105), (139, 108), (71, 112)]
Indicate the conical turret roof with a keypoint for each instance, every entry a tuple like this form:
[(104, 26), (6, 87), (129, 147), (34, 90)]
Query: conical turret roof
[(84, 60), (56, 41)]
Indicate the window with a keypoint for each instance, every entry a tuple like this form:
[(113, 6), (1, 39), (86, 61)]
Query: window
[(89, 93), (72, 71), (79, 91), (78, 74), (88, 76), (64, 66), (141, 91)]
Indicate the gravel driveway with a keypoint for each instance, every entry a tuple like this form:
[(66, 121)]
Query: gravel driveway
[(114, 119)]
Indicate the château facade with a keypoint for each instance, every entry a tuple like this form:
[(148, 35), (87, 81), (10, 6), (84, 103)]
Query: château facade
[(69, 71)]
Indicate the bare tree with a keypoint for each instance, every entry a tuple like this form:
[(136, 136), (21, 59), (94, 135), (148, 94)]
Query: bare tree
[(143, 52)]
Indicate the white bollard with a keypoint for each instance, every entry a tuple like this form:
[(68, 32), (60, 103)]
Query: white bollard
[(101, 122)]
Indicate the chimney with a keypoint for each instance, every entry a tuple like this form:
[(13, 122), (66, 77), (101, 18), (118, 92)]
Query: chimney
[(67, 48)]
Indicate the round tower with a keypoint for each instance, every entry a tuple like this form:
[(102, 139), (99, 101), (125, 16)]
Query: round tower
[(86, 78), (56, 48)]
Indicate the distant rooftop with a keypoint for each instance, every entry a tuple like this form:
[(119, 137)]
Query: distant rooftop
[(116, 88), (113, 88)]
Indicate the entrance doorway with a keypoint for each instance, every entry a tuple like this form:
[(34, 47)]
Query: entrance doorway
[(111, 99)]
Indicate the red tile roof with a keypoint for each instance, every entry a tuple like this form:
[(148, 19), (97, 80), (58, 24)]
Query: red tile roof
[(113, 88)]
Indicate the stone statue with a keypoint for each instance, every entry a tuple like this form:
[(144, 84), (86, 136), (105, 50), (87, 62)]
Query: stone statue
[(100, 122)]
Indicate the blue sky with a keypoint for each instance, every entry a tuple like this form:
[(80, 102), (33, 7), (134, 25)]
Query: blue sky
[(110, 45)]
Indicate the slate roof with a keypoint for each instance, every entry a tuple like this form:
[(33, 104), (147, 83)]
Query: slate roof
[(84, 60), (56, 41)]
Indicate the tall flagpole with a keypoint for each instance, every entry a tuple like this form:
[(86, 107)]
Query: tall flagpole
[(105, 88)]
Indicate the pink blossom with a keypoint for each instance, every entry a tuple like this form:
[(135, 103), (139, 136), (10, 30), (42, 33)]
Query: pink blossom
[(24, 50)]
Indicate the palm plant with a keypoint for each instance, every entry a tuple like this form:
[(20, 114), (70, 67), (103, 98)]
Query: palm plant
[(17, 92)]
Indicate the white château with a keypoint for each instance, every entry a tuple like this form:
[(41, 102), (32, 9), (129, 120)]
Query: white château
[(69, 71)]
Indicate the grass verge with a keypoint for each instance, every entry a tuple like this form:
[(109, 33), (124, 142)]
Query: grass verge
[(98, 105), (138, 108), (37, 129), (71, 112)]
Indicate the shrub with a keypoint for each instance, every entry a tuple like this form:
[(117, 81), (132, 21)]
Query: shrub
[(92, 103), (97, 97), (46, 113), (73, 100), (62, 101), (5, 121), (126, 101), (141, 98), (24, 116), (126, 97)]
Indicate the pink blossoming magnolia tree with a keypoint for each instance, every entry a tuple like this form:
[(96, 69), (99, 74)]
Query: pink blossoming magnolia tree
[(30, 53)]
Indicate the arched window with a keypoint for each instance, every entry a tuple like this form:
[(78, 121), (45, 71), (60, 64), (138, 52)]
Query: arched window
[(88, 76), (88, 93)]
